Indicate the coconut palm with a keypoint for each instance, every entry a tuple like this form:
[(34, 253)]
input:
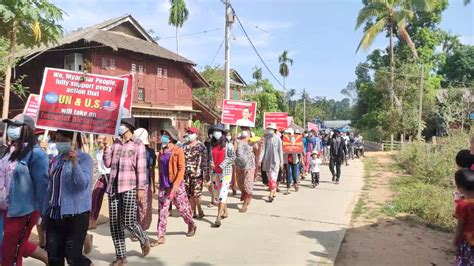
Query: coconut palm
[(178, 15), (390, 16), (466, 2), (257, 74), (284, 60)]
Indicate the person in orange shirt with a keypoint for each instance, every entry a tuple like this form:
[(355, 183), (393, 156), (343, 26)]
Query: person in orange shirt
[(171, 167), (464, 234)]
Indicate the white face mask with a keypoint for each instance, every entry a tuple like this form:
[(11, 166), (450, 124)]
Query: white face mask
[(269, 131), (14, 132), (245, 134), (191, 137), (217, 135), (229, 138)]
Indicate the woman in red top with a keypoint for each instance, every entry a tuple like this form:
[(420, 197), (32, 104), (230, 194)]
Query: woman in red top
[(464, 234), (222, 158)]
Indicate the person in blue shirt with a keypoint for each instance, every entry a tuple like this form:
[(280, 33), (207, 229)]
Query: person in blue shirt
[(68, 202)]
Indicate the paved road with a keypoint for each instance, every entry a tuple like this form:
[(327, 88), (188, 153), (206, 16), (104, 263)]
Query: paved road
[(303, 228)]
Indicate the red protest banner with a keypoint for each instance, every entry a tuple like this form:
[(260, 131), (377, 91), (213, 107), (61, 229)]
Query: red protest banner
[(293, 144), (127, 104), (239, 113), (81, 102), (314, 127), (279, 118), (31, 107)]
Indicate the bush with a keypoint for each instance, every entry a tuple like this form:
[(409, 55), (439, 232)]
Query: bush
[(427, 191)]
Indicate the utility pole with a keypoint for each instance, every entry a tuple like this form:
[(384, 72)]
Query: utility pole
[(420, 106), (304, 108), (229, 19)]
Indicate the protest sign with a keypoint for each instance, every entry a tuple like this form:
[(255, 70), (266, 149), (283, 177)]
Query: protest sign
[(81, 102), (279, 118), (239, 113), (127, 104), (313, 127), (292, 144), (31, 107)]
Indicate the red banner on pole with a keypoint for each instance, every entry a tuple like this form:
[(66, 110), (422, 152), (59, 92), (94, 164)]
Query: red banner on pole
[(81, 102), (239, 113), (31, 107), (293, 144), (279, 118), (314, 127)]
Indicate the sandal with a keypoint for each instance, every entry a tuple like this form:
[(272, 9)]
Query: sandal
[(119, 262), (216, 224), (160, 241), (192, 232), (146, 248), (201, 215)]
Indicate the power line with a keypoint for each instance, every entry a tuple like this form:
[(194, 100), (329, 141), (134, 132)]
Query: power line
[(190, 34), (410, 76), (218, 50), (254, 48)]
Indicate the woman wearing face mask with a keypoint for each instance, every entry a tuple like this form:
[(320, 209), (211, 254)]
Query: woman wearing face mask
[(196, 169), (222, 158), (126, 186), (245, 164), (172, 168), (68, 202), (145, 207), (23, 185)]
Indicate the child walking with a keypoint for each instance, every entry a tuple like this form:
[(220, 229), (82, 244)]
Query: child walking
[(464, 234), (315, 168)]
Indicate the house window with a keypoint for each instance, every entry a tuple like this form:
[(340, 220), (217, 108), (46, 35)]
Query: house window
[(133, 68), (140, 69), (104, 63), (112, 64), (141, 94), (159, 72), (165, 72)]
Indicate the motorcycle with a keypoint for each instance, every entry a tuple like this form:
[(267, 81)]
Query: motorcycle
[(359, 149)]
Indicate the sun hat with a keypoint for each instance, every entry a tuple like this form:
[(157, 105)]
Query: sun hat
[(193, 130), (219, 127), (172, 132), (21, 120), (142, 134), (130, 122), (272, 126)]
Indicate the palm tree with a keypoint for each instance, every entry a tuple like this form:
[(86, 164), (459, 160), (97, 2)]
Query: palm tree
[(390, 16), (178, 15), (257, 74), (283, 59), (466, 2)]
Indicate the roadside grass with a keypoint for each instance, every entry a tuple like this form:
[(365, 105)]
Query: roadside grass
[(360, 208), (424, 184)]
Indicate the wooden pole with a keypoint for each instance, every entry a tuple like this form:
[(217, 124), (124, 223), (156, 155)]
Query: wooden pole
[(391, 142), (74, 141)]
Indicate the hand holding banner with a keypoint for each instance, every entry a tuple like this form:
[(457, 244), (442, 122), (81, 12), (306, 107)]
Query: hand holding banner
[(77, 102)]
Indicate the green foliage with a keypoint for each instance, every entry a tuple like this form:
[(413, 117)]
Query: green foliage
[(268, 99), (284, 61), (36, 21), (427, 190), (210, 95), (459, 67), (178, 13)]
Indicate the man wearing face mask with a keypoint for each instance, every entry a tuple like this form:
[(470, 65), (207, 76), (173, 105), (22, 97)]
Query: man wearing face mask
[(271, 158), (127, 161), (196, 159), (337, 148)]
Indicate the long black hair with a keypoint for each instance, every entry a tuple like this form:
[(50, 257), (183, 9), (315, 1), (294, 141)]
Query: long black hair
[(70, 135), (23, 145), (222, 142)]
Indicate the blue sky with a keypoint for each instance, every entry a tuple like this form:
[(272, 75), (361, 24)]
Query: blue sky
[(319, 34)]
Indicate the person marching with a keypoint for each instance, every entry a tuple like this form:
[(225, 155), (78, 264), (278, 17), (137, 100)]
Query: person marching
[(208, 145), (127, 161), (245, 164), (172, 168), (145, 206), (315, 168), (271, 158), (292, 161), (222, 158), (24, 181), (101, 184), (197, 167), (337, 148), (68, 201)]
